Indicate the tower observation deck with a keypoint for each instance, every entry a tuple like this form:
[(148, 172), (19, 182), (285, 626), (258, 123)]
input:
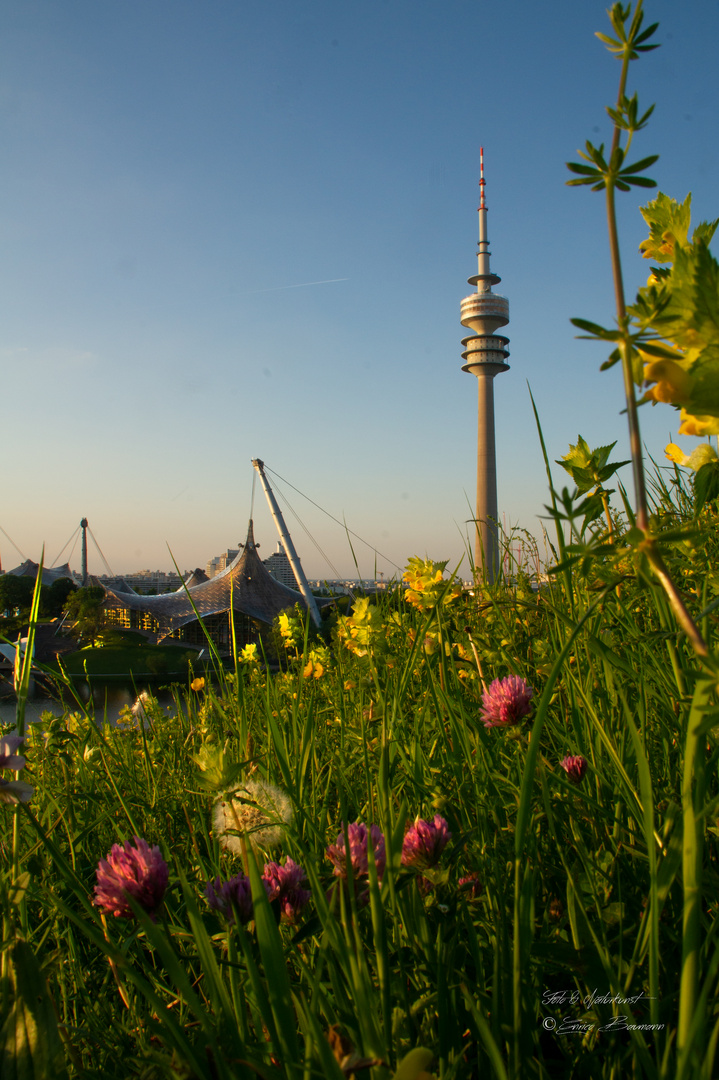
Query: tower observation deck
[(485, 355)]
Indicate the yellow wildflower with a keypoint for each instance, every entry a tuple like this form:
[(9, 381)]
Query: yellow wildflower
[(675, 453), (248, 655), (313, 670), (672, 383), (362, 629), (703, 455), (425, 579), (698, 425), (197, 684), (290, 630), (317, 662)]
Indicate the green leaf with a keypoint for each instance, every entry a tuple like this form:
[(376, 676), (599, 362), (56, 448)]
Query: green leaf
[(596, 331), (601, 455), (18, 888), (706, 485), (30, 1044), (643, 37), (607, 40), (638, 181), (215, 987), (273, 959), (640, 166), (663, 352), (664, 215), (706, 283), (583, 170), (614, 358), (587, 180), (615, 162), (610, 470), (705, 231)]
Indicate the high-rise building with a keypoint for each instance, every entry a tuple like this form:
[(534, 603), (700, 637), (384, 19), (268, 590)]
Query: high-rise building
[(220, 562), (278, 566), (485, 356)]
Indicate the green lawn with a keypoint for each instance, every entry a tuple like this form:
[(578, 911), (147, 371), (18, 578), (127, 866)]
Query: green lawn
[(130, 660)]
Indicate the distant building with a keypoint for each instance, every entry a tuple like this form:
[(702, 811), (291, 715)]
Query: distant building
[(245, 587), (278, 566), (153, 581), (50, 574), (221, 562)]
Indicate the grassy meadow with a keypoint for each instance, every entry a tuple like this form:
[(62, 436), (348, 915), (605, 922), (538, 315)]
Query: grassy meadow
[(560, 952)]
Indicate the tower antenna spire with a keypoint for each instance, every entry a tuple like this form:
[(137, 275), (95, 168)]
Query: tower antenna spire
[(484, 278)]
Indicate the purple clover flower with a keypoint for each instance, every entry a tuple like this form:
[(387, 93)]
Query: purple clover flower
[(15, 791), (8, 758), (226, 896), (575, 767), (470, 886), (359, 836), (138, 871), (506, 701), (284, 883), (424, 843)]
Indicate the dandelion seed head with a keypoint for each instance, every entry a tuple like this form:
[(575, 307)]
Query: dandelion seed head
[(257, 810)]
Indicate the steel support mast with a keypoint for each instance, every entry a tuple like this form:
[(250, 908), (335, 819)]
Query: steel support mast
[(83, 526), (293, 557)]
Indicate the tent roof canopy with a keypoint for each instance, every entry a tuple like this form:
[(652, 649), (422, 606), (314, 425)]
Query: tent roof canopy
[(245, 585)]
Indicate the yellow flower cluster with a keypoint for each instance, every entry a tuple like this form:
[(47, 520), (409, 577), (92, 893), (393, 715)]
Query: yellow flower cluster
[(427, 586), (290, 630), (674, 384), (680, 305), (362, 629), (317, 663)]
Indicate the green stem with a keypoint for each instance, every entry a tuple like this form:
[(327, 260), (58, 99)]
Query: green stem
[(675, 599), (625, 347), (693, 785), (635, 442)]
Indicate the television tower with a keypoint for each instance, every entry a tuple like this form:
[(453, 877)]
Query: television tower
[(485, 356)]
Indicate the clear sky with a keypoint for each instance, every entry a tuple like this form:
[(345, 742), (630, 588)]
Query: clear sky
[(242, 228)]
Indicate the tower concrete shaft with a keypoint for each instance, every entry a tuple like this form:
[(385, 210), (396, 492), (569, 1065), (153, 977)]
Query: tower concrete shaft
[(485, 356)]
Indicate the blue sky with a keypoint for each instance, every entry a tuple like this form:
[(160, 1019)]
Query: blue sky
[(173, 175)]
